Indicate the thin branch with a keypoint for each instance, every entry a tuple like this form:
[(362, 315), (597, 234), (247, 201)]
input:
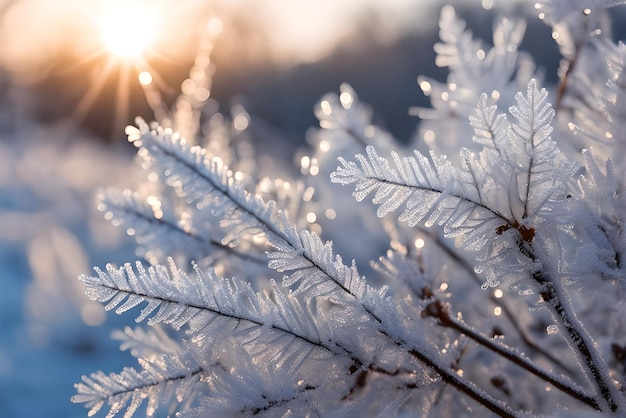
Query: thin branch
[(594, 365), (441, 311), (148, 385), (224, 190), (467, 387), (161, 222), (564, 82), (508, 312), (238, 318), (274, 403), (463, 385), (478, 205)]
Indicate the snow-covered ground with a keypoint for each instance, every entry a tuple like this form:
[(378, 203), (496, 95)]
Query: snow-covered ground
[(50, 232)]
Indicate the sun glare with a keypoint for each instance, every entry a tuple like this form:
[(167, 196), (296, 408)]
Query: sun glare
[(128, 29), (127, 39)]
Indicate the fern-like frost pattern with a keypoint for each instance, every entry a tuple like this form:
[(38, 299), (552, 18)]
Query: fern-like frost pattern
[(271, 320), (496, 200)]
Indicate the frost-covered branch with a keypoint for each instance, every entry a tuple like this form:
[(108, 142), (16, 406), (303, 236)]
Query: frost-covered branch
[(166, 380), (525, 206), (157, 228), (441, 312), (173, 298), (304, 253), (584, 347), (433, 192)]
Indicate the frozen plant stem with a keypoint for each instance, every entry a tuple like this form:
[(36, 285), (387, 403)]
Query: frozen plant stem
[(456, 381), (592, 362), (508, 312), (177, 229), (441, 311)]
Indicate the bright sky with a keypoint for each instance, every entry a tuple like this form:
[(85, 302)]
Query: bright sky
[(305, 30), (33, 32)]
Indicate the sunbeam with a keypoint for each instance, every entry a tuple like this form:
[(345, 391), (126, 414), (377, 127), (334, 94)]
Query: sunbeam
[(127, 39)]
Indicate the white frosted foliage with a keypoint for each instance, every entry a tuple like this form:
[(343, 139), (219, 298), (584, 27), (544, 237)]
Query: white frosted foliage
[(498, 234)]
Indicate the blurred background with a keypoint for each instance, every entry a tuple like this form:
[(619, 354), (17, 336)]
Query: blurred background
[(73, 74), (278, 56)]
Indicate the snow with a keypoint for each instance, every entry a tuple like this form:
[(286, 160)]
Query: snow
[(49, 230)]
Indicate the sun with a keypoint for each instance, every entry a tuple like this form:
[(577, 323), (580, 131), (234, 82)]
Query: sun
[(126, 36), (127, 29)]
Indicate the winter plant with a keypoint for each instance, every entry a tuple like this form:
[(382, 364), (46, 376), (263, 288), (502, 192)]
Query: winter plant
[(498, 281)]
